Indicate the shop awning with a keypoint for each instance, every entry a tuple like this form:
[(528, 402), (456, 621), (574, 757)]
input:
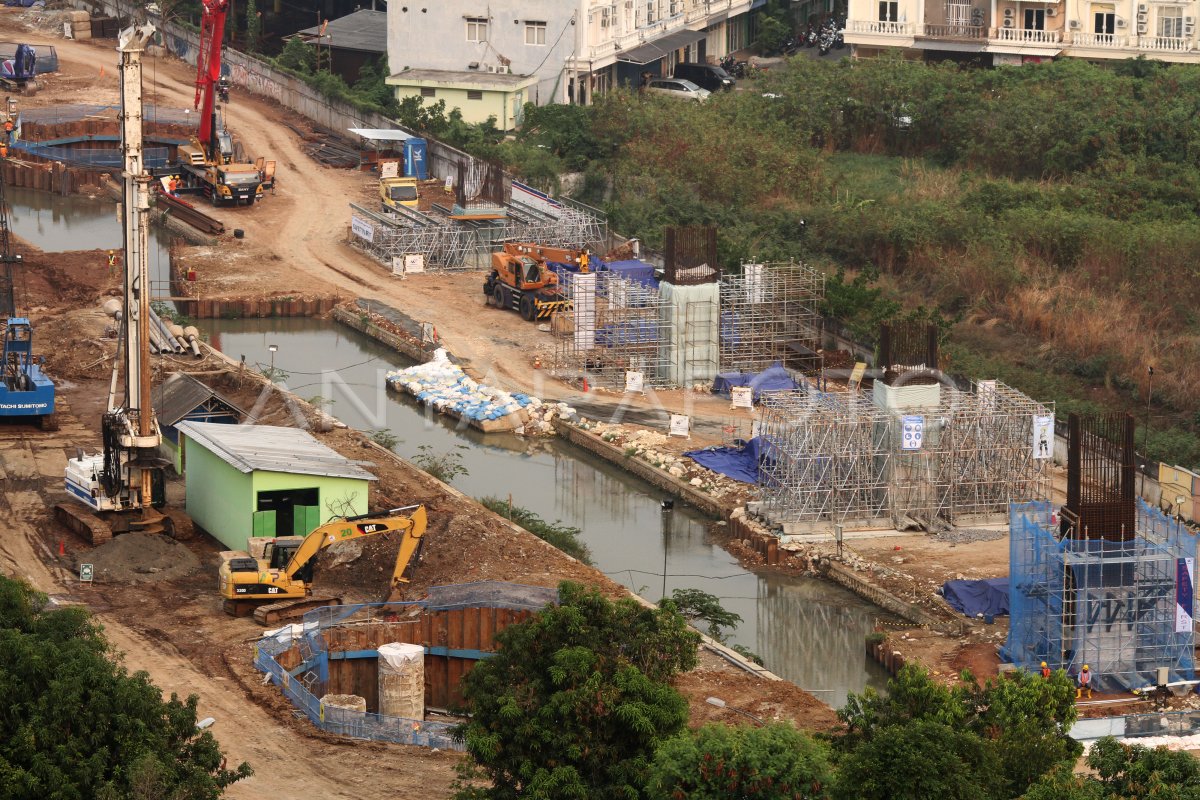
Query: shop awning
[(659, 48)]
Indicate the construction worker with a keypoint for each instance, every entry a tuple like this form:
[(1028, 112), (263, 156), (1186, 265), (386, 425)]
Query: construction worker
[(1045, 671), (584, 258), (1085, 683), (112, 260), (172, 184)]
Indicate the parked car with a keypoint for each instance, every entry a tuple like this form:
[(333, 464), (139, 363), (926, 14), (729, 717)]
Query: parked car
[(706, 76), (675, 87)]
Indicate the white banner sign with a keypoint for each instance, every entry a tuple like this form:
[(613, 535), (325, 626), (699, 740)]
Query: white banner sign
[(389, 169), (634, 381), (912, 429), (361, 228), (681, 425), (414, 262), (743, 397), (1043, 437), (397, 265)]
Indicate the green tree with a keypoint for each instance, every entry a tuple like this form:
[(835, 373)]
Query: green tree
[(298, 57), (717, 762), (253, 26), (1009, 733), (77, 726), (700, 606), (576, 698)]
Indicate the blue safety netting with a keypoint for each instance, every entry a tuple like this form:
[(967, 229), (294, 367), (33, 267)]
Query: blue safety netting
[(104, 158), (1124, 608), (988, 597), (740, 462)]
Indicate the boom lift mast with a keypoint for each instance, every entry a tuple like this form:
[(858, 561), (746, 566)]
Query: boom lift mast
[(208, 73)]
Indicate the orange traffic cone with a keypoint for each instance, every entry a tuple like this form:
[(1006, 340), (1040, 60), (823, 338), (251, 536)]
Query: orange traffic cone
[(586, 388), (62, 547)]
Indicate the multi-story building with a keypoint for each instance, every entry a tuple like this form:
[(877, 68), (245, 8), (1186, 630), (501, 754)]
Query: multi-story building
[(1019, 31), (563, 50)]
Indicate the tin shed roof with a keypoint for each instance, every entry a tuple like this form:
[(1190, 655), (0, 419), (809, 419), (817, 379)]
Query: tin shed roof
[(271, 448), (180, 394), (364, 30)]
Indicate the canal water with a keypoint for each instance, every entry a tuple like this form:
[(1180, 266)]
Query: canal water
[(55, 223), (806, 630)]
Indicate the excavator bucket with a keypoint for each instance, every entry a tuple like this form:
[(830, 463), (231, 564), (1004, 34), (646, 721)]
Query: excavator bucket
[(359, 570)]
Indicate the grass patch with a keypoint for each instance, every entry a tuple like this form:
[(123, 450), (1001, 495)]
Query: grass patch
[(564, 537)]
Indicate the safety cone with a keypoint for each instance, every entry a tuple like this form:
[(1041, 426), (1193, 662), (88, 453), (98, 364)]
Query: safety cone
[(62, 547), (586, 388)]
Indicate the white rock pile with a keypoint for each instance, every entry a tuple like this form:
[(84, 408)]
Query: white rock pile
[(449, 390)]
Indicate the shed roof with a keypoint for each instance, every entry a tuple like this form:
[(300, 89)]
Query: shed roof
[(180, 394), (271, 448), (364, 30), (462, 78)]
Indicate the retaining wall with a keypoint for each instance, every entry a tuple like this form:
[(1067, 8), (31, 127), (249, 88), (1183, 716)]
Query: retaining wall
[(400, 344), (886, 600)]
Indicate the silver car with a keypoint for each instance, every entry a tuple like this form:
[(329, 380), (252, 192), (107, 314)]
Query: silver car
[(678, 87)]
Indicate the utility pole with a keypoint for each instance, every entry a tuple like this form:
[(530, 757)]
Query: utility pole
[(1149, 396)]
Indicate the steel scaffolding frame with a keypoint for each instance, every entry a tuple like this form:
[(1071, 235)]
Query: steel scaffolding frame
[(456, 245), (1109, 604), (629, 327), (768, 314), (838, 459), (827, 459)]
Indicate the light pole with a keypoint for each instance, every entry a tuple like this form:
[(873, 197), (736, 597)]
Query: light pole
[(719, 703), (1149, 395), (273, 348)]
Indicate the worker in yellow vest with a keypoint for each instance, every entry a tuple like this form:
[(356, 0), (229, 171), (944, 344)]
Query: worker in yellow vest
[(1085, 683)]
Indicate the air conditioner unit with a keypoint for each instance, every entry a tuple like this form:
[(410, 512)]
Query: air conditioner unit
[(1008, 12), (1141, 29), (1189, 30), (1142, 8), (1121, 23), (491, 67), (1189, 20), (1074, 24), (1051, 12), (1008, 23), (1141, 18)]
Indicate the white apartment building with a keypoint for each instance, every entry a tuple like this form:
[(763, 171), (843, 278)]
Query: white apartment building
[(1015, 31), (571, 49)]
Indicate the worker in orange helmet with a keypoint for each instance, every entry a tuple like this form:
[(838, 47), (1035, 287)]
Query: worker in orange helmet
[(172, 184), (1085, 683), (1045, 671)]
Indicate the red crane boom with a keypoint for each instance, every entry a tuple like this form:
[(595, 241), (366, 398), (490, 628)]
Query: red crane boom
[(208, 64)]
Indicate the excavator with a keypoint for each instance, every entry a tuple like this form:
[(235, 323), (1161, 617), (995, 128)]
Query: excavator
[(522, 280), (278, 587)]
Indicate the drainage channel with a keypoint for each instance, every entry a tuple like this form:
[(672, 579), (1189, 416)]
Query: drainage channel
[(806, 630)]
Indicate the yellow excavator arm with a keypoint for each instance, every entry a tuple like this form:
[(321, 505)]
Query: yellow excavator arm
[(410, 520)]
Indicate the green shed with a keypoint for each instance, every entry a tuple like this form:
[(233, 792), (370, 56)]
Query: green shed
[(264, 480)]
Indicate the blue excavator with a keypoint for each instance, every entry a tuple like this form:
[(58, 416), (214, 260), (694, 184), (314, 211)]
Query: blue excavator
[(25, 391)]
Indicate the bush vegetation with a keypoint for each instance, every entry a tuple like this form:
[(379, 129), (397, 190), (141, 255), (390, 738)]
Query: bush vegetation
[(1054, 204)]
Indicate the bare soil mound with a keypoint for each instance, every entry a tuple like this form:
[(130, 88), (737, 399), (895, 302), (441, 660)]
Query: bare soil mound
[(140, 558)]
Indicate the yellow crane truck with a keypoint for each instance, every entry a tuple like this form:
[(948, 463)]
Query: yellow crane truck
[(278, 587)]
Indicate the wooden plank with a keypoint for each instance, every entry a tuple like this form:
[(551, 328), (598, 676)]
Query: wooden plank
[(470, 629), (454, 628), (487, 628)]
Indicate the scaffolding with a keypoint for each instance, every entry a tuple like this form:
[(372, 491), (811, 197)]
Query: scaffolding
[(1123, 607), (827, 460), (447, 244), (768, 315), (619, 329), (841, 459)]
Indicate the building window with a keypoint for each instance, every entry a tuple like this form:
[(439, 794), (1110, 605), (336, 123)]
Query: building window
[(476, 29), (1035, 19), (535, 33), (888, 9), (428, 91), (1105, 23), (474, 94), (1170, 22)]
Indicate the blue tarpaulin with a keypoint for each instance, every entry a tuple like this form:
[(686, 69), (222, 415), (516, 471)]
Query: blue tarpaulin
[(772, 379), (988, 597), (739, 463), (635, 270)]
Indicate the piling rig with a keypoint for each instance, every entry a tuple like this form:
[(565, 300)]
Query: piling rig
[(125, 483)]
